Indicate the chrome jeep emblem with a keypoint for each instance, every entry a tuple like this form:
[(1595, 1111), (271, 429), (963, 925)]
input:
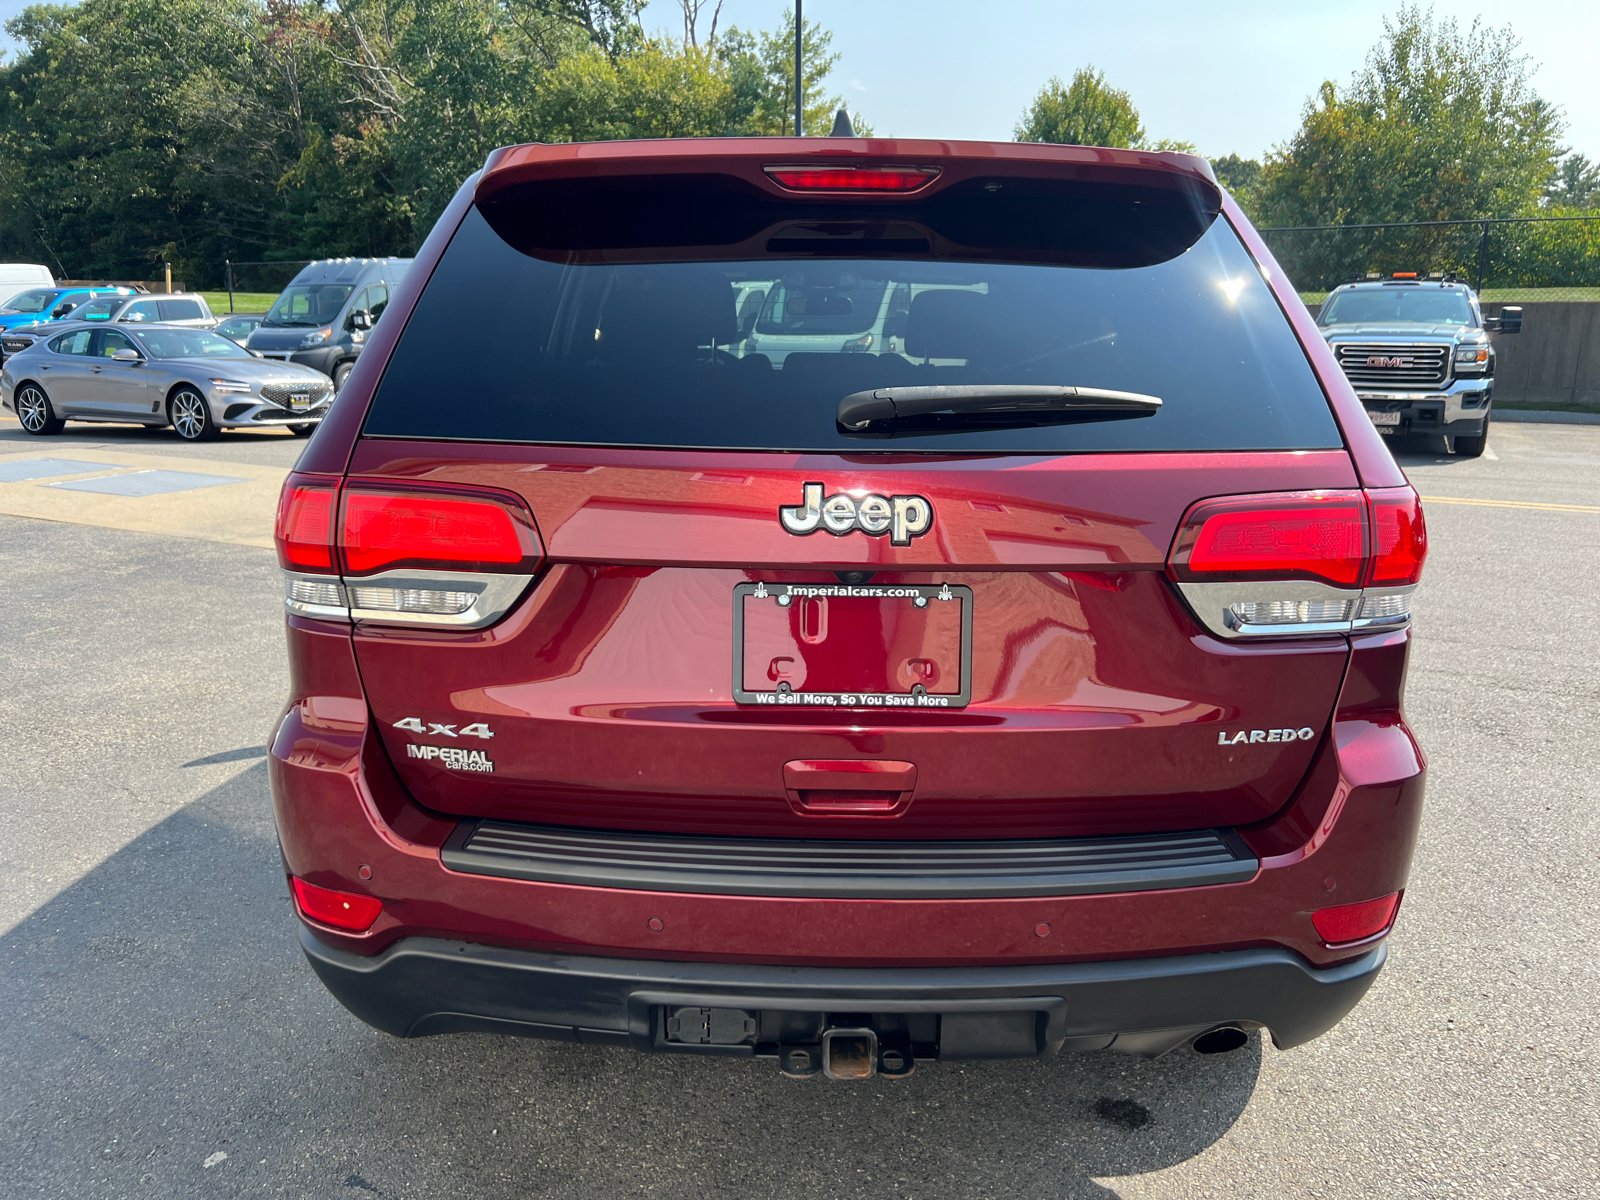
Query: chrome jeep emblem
[(1379, 360), (901, 517)]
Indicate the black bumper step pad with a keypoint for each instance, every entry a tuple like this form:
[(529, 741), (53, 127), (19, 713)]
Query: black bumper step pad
[(847, 868)]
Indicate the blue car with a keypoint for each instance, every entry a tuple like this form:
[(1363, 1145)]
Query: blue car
[(38, 305)]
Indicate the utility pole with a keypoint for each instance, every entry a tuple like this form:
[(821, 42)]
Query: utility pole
[(799, 85)]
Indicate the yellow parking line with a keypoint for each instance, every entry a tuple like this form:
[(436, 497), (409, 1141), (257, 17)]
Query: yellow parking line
[(1511, 504)]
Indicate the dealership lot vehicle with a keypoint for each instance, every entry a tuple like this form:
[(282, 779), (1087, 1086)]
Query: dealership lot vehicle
[(240, 326), (189, 309), (322, 319), (177, 308), (191, 379), (40, 305), (1419, 355), (1037, 687), (16, 278)]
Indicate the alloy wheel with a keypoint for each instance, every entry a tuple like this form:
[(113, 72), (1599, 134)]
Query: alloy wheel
[(33, 409), (189, 415)]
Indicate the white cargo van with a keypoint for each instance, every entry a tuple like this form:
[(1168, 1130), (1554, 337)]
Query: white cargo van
[(16, 278)]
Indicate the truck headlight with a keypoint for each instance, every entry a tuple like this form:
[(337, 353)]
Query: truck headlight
[(316, 337), (1471, 355)]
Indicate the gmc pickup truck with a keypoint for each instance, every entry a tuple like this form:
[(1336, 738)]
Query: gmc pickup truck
[(1417, 352)]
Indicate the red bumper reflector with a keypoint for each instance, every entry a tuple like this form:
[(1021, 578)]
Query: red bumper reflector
[(343, 910), (1355, 922), (304, 528), (1400, 537), (804, 178), (434, 530)]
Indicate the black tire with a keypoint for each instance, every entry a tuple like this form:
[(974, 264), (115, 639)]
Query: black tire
[(35, 412), (1471, 447), (340, 374), (305, 429), (191, 417)]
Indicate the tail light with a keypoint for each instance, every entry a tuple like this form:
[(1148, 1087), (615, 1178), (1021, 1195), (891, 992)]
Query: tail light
[(451, 557), (304, 529), (1400, 540), (1355, 922), (304, 535), (1301, 563), (350, 911), (810, 177)]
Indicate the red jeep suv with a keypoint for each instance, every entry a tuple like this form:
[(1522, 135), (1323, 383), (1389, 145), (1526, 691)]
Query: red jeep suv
[(850, 602)]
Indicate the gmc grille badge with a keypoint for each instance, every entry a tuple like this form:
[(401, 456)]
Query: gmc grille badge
[(901, 517)]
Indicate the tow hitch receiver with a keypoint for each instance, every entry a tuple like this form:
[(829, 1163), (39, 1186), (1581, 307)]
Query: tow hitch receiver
[(849, 1053), (840, 1043)]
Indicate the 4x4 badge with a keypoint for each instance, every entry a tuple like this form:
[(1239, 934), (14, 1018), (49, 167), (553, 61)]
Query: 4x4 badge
[(901, 517), (434, 729)]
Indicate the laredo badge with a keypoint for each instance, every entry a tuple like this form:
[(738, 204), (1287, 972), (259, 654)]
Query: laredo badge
[(1252, 737)]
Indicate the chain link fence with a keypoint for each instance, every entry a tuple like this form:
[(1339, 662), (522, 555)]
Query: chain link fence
[(1506, 260)]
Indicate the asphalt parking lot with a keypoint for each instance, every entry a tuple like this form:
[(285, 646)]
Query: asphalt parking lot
[(161, 1035)]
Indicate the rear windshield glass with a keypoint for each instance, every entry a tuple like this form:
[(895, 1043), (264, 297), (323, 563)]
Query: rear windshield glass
[(1397, 305), (757, 353)]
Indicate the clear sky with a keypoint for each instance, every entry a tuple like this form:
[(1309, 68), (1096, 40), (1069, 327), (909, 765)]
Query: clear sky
[(1230, 78)]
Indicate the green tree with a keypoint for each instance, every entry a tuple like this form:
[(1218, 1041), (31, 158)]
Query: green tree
[(134, 132), (1085, 113), (760, 67), (660, 89), (1440, 124), (1240, 176), (143, 130), (1576, 183), (345, 197)]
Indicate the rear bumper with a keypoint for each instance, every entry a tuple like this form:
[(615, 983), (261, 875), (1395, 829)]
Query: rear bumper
[(563, 957), (421, 986)]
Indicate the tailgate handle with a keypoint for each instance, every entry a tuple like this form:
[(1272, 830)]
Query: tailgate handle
[(849, 787)]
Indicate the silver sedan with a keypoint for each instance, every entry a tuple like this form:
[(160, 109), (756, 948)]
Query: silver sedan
[(191, 379)]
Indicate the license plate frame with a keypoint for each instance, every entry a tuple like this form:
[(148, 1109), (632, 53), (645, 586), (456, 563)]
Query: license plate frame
[(1382, 419), (299, 401), (918, 699)]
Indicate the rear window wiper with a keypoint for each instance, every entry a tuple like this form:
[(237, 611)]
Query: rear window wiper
[(860, 409)]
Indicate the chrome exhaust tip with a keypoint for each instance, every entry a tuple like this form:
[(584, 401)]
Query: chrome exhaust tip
[(1221, 1041)]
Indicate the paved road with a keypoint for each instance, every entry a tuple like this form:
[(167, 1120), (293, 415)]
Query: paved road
[(155, 1013), (266, 447)]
